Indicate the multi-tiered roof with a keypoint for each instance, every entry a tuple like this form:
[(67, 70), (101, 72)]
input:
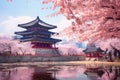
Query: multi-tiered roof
[(93, 52), (37, 31), (92, 48)]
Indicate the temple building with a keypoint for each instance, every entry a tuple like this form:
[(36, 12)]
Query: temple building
[(93, 53), (37, 32)]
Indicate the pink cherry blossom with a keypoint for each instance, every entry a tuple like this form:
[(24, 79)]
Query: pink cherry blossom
[(104, 16)]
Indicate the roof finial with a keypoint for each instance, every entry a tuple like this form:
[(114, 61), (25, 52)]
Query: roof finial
[(38, 18)]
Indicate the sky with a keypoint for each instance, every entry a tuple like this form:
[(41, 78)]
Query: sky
[(23, 11)]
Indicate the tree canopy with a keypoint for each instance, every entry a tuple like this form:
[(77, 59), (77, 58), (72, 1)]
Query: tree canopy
[(91, 19)]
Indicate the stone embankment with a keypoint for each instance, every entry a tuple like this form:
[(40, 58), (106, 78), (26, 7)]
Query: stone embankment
[(30, 58), (60, 63)]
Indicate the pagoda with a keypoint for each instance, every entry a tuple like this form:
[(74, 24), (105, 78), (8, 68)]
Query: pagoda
[(93, 53), (37, 32)]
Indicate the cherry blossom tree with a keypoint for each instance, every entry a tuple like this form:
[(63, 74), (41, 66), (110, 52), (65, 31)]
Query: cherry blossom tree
[(111, 48), (5, 45), (91, 19), (10, 46), (104, 44), (69, 49)]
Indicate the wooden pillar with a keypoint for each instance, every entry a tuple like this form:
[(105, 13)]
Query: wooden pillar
[(54, 46)]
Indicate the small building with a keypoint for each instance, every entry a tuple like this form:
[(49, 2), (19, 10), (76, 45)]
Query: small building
[(37, 32), (93, 53)]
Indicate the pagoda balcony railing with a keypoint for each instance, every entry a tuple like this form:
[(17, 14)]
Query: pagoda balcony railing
[(33, 33), (43, 39)]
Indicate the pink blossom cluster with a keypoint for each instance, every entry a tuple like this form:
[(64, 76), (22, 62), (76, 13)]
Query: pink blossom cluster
[(91, 19), (11, 46), (106, 44)]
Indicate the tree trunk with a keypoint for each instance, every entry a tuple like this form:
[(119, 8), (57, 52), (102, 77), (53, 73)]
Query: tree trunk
[(110, 56)]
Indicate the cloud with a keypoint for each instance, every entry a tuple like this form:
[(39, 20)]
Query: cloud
[(62, 24), (10, 25)]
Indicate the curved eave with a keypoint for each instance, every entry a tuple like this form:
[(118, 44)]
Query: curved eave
[(91, 51), (50, 40), (95, 50), (46, 24), (31, 23), (23, 33), (34, 32), (39, 22), (26, 27), (100, 50), (26, 40)]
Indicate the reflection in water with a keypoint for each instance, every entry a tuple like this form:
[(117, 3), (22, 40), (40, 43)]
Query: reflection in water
[(20, 73), (61, 73), (42, 74), (71, 73), (105, 73)]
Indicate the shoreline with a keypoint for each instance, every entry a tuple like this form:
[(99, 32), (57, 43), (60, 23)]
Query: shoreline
[(64, 63)]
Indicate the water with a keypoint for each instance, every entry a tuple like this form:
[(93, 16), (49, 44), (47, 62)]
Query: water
[(82, 72)]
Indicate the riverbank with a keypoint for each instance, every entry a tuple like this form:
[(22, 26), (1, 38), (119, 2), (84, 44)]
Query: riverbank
[(65, 63)]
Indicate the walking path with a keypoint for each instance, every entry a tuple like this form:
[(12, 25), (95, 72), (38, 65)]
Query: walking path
[(61, 63)]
